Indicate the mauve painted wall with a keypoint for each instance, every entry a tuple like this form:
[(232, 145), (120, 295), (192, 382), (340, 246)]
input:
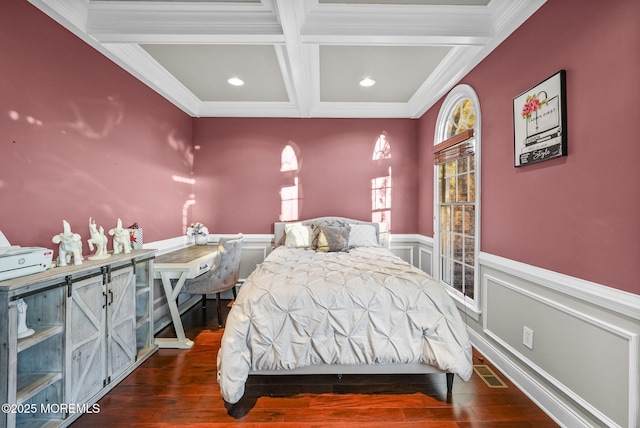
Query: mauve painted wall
[(81, 137), (577, 215), (238, 178)]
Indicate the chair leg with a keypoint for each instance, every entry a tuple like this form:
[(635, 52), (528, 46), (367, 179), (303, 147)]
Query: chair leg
[(204, 301), (219, 301)]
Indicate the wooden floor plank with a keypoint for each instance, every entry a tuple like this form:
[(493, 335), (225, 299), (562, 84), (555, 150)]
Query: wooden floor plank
[(178, 387)]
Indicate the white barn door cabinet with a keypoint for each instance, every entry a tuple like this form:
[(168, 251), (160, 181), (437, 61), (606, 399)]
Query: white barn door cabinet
[(92, 326)]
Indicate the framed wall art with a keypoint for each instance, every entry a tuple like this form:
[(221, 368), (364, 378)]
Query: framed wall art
[(540, 121)]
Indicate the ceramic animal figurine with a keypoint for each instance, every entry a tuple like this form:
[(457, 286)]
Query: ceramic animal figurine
[(98, 239), (121, 239), (70, 245)]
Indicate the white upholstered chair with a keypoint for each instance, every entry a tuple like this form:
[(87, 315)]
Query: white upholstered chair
[(222, 276)]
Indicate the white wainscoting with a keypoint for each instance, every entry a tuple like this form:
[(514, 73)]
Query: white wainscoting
[(583, 369), (407, 246), (404, 247), (416, 250), (578, 350)]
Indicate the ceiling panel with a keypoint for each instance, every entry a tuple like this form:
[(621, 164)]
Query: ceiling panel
[(398, 71), (205, 69), (298, 58)]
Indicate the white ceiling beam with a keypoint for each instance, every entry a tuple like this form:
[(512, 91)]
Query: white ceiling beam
[(291, 15), (449, 72), (393, 24), (182, 22), (145, 68), (365, 110), (395, 40), (247, 109)]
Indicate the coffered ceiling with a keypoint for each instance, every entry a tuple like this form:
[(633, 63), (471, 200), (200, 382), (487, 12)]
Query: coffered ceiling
[(297, 58)]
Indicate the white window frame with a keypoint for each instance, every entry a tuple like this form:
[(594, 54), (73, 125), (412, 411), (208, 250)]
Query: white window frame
[(457, 94)]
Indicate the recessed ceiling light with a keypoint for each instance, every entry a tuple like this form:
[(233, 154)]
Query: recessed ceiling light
[(367, 81), (236, 81)]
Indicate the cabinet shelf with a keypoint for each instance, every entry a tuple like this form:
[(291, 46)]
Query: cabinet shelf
[(31, 384), (41, 334)]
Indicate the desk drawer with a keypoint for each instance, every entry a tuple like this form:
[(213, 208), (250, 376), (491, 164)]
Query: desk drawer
[(201, 267)]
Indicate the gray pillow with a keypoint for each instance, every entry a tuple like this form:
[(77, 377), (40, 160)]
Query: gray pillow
[(330, 238)]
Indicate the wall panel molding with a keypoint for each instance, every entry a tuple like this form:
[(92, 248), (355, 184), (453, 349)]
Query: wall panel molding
[(591, 323), (405, 252), (537, 392), (425, 260)]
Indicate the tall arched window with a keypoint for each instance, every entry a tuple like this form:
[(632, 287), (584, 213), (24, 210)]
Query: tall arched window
[(457, 195), (290, 194), (381, 183)]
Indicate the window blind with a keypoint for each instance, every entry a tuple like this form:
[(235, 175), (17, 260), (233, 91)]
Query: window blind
[(457, 147)]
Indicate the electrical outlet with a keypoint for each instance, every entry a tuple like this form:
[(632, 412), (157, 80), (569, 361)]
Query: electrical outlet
[(527, 337)]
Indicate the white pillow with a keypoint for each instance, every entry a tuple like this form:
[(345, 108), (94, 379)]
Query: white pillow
[(297, 235), (363, 235)]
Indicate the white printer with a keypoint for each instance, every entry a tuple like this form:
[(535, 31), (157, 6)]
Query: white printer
[(17, 261)]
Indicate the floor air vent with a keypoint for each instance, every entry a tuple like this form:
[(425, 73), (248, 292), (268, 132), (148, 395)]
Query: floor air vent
[(489, 377)]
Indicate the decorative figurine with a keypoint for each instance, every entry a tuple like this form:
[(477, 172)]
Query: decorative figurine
[(121, 239), (98, 239), (70, 245), (23, 330)]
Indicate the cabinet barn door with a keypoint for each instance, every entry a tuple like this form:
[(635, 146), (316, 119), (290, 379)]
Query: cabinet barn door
[(85, 339), (121, 327)]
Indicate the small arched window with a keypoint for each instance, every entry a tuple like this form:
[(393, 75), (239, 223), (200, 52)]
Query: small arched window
[(382, 149), (288, 159)]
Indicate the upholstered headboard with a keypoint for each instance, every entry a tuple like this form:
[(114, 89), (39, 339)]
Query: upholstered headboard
[(381, 228)]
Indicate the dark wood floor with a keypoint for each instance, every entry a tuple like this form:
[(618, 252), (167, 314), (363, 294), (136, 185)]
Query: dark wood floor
[(178, 387)]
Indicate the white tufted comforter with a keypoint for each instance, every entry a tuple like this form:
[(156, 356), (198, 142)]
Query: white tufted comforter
[(366, 306)]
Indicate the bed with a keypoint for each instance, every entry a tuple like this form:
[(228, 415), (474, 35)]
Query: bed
[(332, 298)]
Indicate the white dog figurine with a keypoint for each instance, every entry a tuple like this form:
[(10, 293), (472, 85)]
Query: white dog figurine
[(121, 239), (70, 245), (98, 239)]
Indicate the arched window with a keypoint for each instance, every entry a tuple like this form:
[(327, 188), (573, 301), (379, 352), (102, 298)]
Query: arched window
[(381, 183), (288, 159), (457, 198), (290, 191), (382, 149)]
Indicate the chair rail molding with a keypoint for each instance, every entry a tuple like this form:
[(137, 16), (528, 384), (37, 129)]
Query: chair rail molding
[(610, 298)]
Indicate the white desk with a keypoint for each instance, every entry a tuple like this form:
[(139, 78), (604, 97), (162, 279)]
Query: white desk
[(182, 264)]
